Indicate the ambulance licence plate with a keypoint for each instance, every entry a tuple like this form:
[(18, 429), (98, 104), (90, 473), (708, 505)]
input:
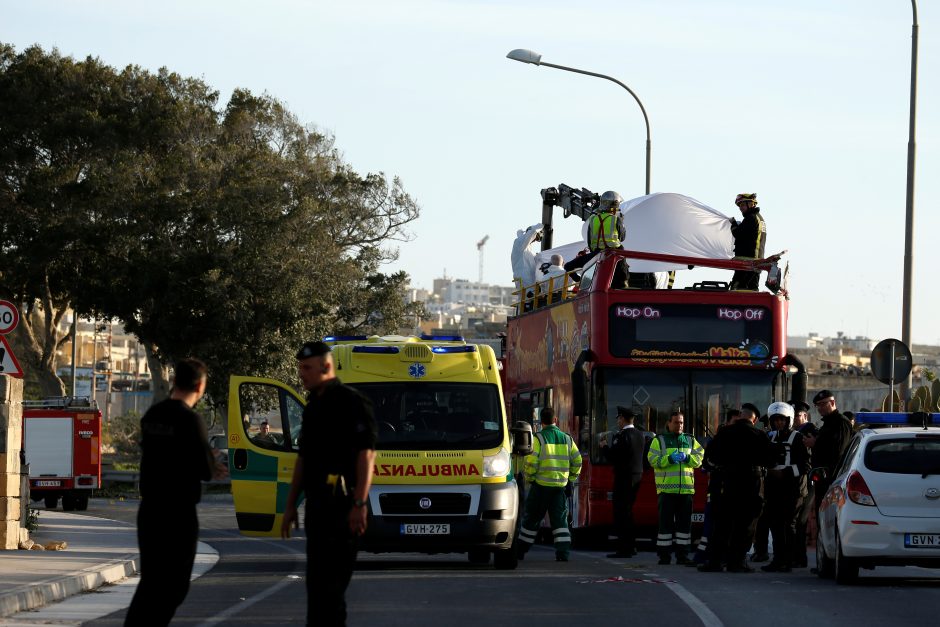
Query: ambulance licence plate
[(48, 484), (425, 529), (922, 540)]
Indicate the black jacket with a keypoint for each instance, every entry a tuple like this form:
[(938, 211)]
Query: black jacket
[(749, 235), (626, 453), (833, 439)]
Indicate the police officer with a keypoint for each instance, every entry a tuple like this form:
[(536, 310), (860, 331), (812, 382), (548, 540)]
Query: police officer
[(175, 457), (739, 453), (833, 439), (806, 428), (553, 463), (674, 456), (334, 470), (749, 238), (625, 452), (785, 485)]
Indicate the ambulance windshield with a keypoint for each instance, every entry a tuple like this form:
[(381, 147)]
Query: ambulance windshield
[(435, 416)]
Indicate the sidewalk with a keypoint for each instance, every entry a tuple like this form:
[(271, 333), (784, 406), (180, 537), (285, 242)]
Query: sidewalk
[(99, 551)]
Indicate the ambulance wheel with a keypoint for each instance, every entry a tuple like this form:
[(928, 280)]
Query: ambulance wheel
[(505, 559), (51, 502), (68, 503), (478, 556), (81, 502)]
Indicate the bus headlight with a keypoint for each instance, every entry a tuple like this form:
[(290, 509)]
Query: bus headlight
[(496, 465)]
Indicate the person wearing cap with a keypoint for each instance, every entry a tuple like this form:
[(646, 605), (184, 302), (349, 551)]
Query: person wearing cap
[(625, 452), (739, 453), (334, 470), (749, 238), (785, 485), (802, 424), (830, 443), (674, 457)]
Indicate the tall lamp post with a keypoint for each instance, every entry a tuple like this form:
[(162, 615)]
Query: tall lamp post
[(528, 56), (907, 288)]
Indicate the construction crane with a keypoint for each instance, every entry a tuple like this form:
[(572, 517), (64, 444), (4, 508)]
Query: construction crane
[(480, 246)]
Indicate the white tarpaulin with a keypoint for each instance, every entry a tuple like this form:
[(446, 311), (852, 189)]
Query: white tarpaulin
[(666, 223), (523, 258)]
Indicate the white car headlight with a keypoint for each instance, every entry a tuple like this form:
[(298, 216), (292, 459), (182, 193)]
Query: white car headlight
[(496, 465)]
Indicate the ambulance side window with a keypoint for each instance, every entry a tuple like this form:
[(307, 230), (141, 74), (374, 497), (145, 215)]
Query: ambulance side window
[(266, 415)]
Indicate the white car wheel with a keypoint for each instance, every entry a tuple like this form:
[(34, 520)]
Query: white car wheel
[(846, 568)]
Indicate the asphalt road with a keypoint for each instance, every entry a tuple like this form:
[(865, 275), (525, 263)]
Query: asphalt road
[(259, 582)]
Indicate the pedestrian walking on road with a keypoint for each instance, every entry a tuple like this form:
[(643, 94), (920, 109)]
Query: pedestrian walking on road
[(674, 457), (334, 470), (625, 452), (175, 458), (740, 454), (552, 465)]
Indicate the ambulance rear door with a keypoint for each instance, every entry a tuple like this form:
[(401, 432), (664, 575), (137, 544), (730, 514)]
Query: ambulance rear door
[(264, 418)]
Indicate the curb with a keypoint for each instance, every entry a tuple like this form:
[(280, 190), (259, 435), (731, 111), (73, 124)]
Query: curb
[(32, 596)]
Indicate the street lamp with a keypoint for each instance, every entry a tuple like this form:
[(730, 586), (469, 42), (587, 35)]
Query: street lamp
[(528, 56), (906, 294)]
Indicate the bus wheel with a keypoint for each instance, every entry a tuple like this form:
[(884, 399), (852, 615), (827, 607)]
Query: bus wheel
[(51, 502), (478, 556), (505, 559)]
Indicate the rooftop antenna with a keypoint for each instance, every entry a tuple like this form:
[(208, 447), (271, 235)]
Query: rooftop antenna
[(480, 246)]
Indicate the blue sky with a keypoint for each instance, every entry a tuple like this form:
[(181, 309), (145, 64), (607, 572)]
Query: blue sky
[(804, 102)]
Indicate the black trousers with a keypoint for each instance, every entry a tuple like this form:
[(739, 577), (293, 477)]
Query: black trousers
[(331, 556), (624, 497), (762, 534), (736, 510), (802, 519), (742, 280), (675, 525), (167, 534), (782, 501)]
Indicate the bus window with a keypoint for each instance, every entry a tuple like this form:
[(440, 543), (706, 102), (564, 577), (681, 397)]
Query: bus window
[(717, 391), (587, 277), (652, 394)]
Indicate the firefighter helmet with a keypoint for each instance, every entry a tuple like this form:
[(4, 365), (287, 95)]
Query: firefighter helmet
[(610, 201), (742, 197)]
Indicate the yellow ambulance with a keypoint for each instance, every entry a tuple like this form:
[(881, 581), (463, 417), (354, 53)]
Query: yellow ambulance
[(443, 477)]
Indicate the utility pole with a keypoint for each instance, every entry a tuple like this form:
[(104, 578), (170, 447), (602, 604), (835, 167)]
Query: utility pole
[(480, 246)]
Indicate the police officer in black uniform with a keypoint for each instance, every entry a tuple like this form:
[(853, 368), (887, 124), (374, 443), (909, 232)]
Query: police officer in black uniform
[(833, 439), (785, 485), (334, 469), (626, 453), (740, 454), (749, 238), (175, 457), (802, 424)]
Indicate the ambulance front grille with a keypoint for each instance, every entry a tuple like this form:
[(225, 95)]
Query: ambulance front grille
[(435, 503)]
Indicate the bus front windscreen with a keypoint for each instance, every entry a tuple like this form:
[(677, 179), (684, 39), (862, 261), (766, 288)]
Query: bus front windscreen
[(435, 416)]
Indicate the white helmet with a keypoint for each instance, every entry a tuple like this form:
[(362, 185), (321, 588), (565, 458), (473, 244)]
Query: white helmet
[(781, 409)]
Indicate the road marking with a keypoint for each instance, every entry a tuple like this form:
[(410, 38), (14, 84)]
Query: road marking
[(708, 618)]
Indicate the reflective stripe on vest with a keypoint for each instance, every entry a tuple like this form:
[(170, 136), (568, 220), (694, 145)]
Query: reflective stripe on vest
[(786, 458)]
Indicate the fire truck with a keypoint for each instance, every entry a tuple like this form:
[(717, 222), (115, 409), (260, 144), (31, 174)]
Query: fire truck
[(62, 443), (587, 344)]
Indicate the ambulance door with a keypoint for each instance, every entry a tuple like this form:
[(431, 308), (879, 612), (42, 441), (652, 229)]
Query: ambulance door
[(264, 417)]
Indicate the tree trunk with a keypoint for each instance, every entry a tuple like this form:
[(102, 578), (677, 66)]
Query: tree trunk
[(159, 374), (38, 337)]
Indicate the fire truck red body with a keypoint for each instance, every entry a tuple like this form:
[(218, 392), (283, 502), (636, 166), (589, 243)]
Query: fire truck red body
[(62, 443)]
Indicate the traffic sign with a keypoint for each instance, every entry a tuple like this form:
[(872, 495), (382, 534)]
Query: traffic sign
[(891, 361), (8, 364), (9, 316)]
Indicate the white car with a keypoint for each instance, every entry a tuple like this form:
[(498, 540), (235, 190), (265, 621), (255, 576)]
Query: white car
[(883, 507)]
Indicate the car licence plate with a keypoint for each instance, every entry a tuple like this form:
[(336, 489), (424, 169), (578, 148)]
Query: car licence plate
[(425, 529), (698, 518), (922, 540), (48, 484)]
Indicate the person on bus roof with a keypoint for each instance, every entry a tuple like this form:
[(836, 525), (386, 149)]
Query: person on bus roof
[(749, 238)]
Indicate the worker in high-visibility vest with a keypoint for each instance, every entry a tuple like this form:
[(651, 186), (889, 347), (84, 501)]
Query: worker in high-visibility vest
[(674, 456), (605, 228), (550, 468)]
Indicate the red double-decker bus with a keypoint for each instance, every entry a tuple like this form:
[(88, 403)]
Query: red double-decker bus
[(588, 347)]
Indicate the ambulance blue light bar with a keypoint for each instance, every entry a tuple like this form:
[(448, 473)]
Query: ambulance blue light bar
[(914, 419), (442, 338), (345, 338), (453, 349), (375, 349)]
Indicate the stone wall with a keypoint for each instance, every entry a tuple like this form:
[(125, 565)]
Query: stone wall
[(12, 505)]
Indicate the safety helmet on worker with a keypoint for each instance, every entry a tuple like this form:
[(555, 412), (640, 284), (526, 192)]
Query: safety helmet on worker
[(780, 409), (745, 197), (610, 201)]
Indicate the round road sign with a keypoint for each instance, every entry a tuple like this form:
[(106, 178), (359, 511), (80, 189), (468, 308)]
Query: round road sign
[(9, 316), (891, 359)]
